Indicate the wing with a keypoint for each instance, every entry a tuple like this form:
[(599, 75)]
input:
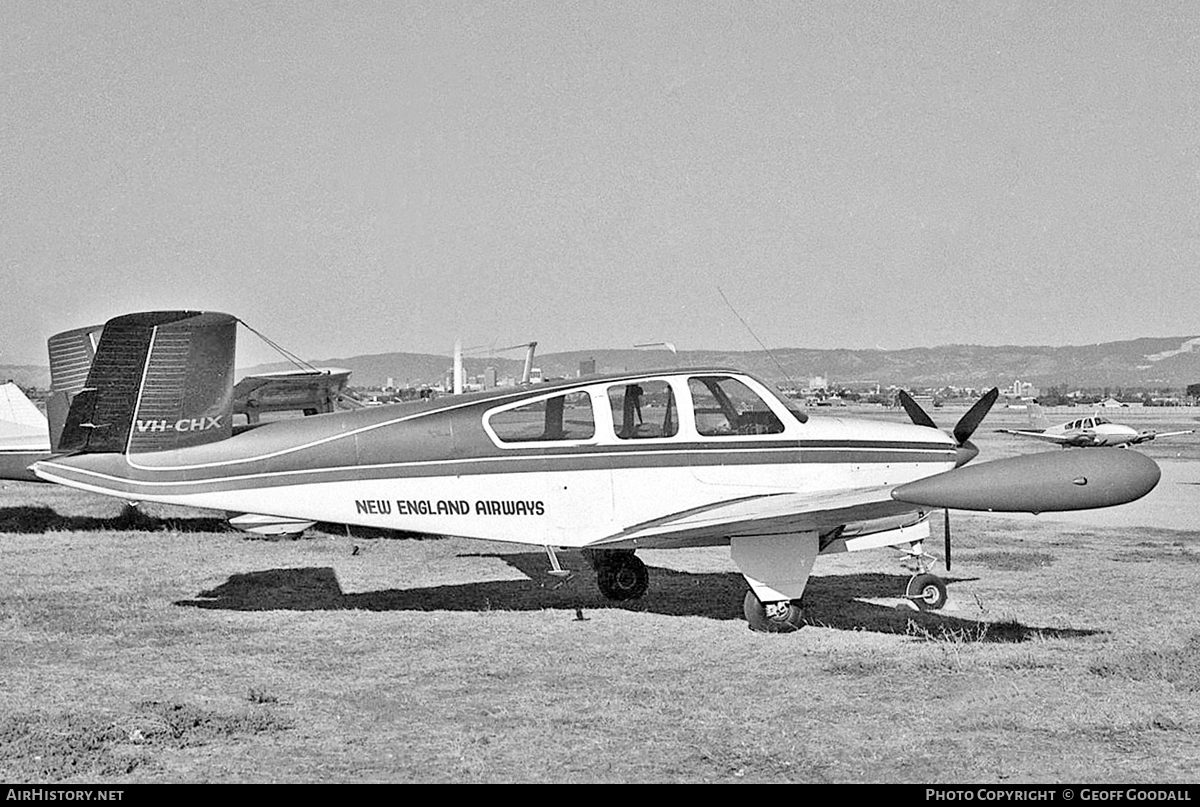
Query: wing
[(764, 514), (1146, 436), (308, 391), (1057, 439)]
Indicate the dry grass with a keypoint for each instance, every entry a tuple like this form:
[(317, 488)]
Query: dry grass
[(169, 649)]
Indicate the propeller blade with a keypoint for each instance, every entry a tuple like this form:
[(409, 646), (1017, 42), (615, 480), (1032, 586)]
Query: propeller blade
[(969, 422), (946, 522), (915, 413)]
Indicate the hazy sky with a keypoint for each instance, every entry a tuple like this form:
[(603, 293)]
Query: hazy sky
[(362, 177)]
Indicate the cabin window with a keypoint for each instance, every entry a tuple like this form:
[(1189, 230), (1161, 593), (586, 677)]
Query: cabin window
[(643, 410), (564, 417), (724, 405)]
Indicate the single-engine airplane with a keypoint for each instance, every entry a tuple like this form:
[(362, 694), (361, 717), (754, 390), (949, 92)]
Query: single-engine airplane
[(606, 464), (1086, 432)]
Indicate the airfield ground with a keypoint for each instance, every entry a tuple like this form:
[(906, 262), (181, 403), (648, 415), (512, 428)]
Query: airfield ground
[(161, 647)]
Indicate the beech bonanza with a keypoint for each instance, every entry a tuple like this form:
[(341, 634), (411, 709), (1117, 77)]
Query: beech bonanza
[(1087, 432), (608, 464)]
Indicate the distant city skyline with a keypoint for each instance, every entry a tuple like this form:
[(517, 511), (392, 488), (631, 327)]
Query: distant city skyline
[(366, 178)]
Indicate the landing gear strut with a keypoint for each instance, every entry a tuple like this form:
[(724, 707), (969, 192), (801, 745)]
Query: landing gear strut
[(776, 617), (620, 574)]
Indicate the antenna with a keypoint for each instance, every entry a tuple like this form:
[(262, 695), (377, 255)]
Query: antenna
[(287, 354), (766, 349)]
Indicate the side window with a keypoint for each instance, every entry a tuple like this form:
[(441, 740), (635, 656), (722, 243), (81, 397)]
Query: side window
[(643, 410), (724, 405), (566, 417)]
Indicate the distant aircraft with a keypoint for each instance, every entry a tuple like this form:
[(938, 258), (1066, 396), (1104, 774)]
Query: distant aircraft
[(314, 391), (24, 433), (605, 464), (1086, 432)]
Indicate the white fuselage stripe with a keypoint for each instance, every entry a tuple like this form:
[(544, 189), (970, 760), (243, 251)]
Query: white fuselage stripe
[(900, 452)]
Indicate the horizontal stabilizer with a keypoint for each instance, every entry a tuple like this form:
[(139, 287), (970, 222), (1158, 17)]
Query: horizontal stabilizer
[(1038, 483)]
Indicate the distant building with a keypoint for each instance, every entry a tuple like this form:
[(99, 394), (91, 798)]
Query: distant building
[(587, 367), (1023, 390), (489, 378)]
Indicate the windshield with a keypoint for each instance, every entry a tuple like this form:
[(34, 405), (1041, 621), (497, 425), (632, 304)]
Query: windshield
[(792, 405)]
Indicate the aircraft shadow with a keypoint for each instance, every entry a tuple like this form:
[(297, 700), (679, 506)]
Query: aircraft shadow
[(30, 519), (39, 519), (830, 601)]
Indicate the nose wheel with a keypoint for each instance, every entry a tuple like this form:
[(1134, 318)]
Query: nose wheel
[(927, 591)]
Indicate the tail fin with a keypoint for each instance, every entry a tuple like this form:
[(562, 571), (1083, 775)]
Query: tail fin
[(71, 354), (160, 380), (1037, 417), (22, 425)]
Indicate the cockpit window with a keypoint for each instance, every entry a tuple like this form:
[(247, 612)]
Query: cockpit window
[(564, 417), (789, 403), (643, 410), (726, 406)]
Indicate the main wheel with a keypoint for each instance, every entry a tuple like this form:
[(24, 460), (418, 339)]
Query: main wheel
[(781, 617), (622, 577), (927, 591)]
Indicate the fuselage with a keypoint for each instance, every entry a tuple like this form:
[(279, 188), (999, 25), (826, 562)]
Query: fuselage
[(566, 463), (1100, 434)]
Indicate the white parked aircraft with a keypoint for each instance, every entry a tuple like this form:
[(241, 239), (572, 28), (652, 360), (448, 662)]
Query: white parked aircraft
[(1086, 432), (606, 464)]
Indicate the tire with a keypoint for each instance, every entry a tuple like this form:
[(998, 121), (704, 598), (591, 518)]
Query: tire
[(783, 618), (927, 591), (623, 577)]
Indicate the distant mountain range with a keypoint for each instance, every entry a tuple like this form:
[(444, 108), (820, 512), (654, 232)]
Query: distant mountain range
[(1171, 362)]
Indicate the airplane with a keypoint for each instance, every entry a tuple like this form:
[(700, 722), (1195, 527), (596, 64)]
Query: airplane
[(604, 464), (1086, 432), (310, 391), (24, 433)]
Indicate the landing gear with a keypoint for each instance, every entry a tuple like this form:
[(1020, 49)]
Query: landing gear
[(620, 574), (927, 591), (776, 617)]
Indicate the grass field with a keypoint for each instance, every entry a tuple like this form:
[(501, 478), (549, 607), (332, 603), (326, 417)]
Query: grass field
[(160, 647)]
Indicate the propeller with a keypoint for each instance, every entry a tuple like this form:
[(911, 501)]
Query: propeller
[(962, 432), (946, 534), (965, 427)]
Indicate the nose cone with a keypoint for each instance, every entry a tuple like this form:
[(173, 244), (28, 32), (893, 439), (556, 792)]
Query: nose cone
[(1037, 483)]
